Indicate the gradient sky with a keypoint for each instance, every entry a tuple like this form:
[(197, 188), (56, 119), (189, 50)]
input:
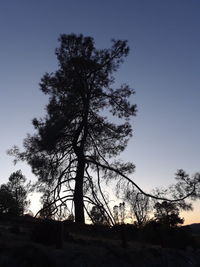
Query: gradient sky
[(163, 67)]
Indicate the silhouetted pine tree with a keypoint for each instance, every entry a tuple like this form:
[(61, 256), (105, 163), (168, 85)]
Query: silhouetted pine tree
[(76, 136)]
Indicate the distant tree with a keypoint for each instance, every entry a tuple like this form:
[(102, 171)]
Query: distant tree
[(167, 214), (116, 214), (177, 194), (7, 201), (98, 216), (122, 212), (119, 213), (13, 195), (19, 191), (48, 209), (140, 206)]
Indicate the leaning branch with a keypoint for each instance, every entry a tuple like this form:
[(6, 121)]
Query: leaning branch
[(108, 167)]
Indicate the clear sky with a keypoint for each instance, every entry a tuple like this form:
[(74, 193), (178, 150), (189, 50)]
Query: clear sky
[(163, 67)]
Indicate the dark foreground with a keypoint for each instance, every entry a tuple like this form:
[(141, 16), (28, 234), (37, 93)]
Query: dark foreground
[(28, 243)]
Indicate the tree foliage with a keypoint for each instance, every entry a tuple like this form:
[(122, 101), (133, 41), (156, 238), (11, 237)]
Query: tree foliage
[(167, 213), (7, 202), (13, 195), (76, 136), (140, 206), (119, 213), (76, 144), (98, 216), (19, 191)]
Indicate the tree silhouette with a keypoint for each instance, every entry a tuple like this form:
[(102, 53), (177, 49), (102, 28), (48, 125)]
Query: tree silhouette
[(48, 209), (17, 188), (76, 136), (98, 216), (7, 202), (140, 206), (122, 212), (74, 143), (13, 195), (116, 214), (167, 214)]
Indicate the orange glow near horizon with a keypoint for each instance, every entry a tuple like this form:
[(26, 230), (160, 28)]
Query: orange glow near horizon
[(192, 216)]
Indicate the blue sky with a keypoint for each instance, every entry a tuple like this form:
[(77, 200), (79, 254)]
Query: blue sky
[(163, 66)]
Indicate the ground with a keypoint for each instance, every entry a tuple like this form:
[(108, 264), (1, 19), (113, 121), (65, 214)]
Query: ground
[(20, 246)]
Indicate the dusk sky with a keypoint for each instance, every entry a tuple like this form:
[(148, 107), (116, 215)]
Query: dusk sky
[(163, 67)]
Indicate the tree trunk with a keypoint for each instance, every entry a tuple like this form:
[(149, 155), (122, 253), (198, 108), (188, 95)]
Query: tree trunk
[(79, 151), (78, 193)]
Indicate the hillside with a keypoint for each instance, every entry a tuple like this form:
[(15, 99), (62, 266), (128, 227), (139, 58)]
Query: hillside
[(27, 242), (195, 227)]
